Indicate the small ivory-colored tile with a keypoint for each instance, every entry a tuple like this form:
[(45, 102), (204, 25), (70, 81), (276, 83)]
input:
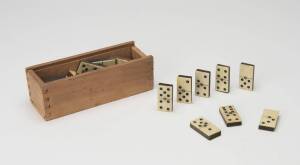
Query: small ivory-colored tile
[(269, 120), (246, 79), (106, 63), (121, 61), (230, 116), (223, 78), (205, 128), (86, 67), (71, 73), (202, 83), (184, 89), (165, 97)]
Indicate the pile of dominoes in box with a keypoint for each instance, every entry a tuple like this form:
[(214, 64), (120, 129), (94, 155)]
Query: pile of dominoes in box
[(93, 78), (202, 88), (94, 65)]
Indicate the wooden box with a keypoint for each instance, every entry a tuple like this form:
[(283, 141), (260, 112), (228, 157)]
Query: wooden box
[(54, 95)]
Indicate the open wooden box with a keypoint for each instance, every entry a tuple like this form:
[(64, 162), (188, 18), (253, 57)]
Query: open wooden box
[(54, 95)]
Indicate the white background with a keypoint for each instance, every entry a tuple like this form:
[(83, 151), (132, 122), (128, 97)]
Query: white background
[(182, 36)]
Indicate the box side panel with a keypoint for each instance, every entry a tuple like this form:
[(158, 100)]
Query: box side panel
[(36, 92), (99, 87)]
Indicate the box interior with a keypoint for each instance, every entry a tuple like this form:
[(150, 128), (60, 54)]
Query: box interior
[(58, 70)]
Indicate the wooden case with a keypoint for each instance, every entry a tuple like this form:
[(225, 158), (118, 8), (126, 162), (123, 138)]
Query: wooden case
[(54, 95)]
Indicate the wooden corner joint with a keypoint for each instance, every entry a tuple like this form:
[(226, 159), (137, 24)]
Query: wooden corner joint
[(47, 99), (45, 91), (47, 116)]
